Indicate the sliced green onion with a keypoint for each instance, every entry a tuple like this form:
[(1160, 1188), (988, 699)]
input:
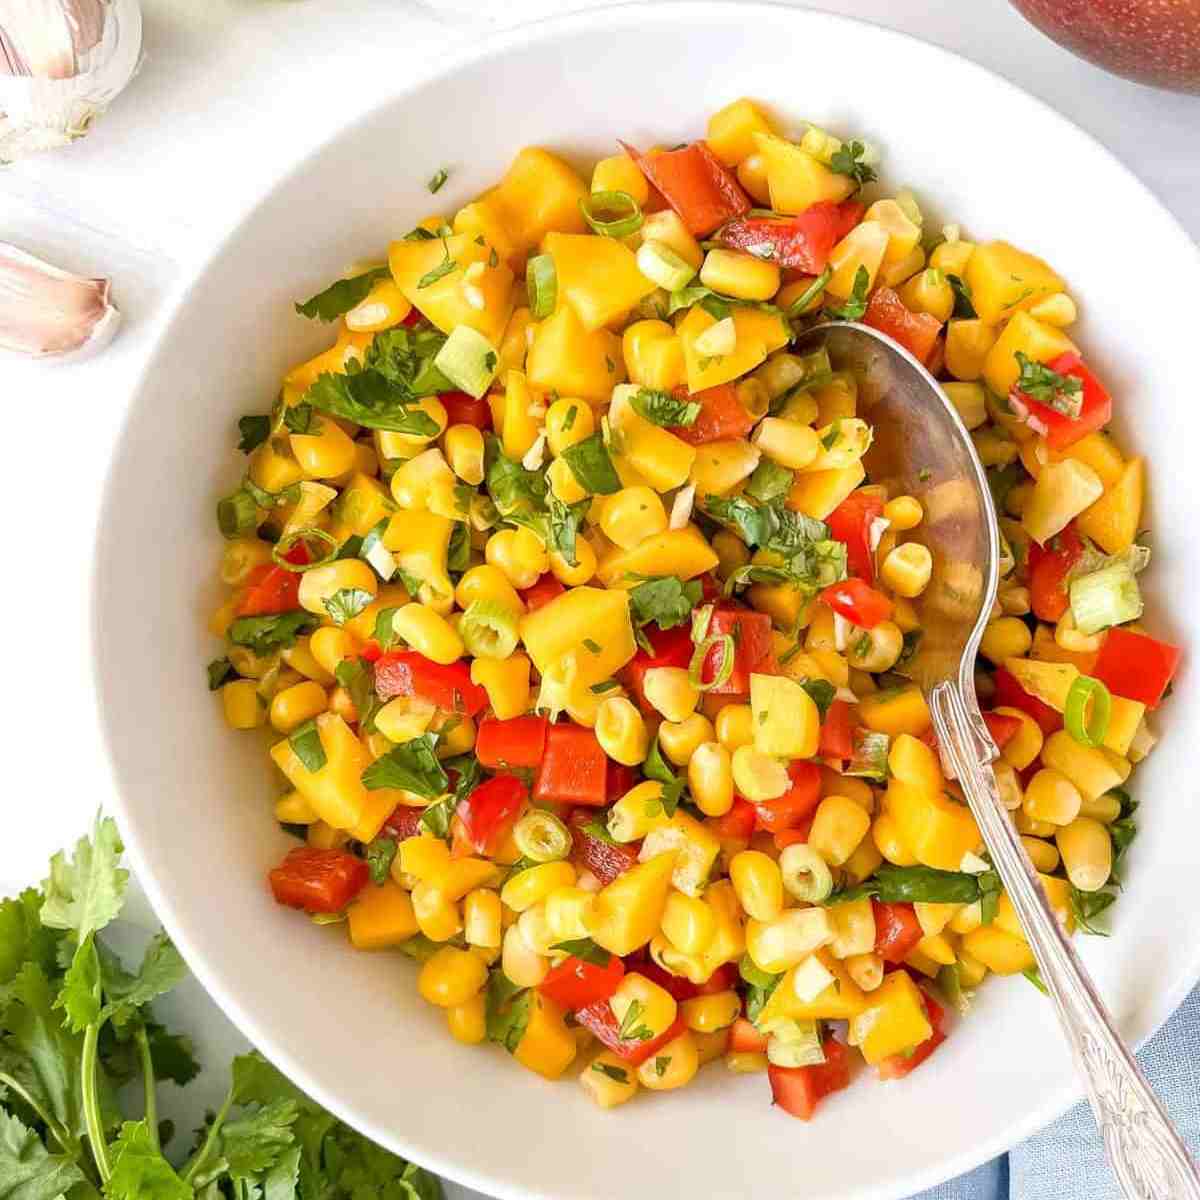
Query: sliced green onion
[(308, 534), (613, 214), (795, 1043), (696, 666), (541, 836), (1107, 597), (1087, 711), (376, 553), (333, 918), (806, 875), (660, 264), (489, 629), (700, 622), (237, 514), (541, 282)]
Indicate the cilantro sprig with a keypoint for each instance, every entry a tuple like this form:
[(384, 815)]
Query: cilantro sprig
[(76, 1026)]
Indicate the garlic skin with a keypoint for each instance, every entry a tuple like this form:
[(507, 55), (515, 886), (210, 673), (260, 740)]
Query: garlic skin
[(62, 62), (47, 312)]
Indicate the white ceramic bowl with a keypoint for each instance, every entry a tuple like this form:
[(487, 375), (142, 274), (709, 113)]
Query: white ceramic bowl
[(195, 799)]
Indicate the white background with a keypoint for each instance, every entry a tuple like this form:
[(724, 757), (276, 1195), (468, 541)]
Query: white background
[(230, 91)]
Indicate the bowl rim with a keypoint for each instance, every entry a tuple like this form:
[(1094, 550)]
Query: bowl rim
[(493, 45)]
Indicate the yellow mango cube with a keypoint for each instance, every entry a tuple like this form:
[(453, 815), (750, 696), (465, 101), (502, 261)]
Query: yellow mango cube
[(936, 829), (547, 1047), (896, 711), (818, 493), (757, 333), (364, 502), (628, 912), (1004, 279), (653, 355), (894, 1020), (597, 276), (574, 623), (787, 723), (904, 234), (863, 247), (447, 300), (335, 792), (842, 1000), (621, 174), (999, 951), (1113, 520), (681, 552), (539, 194), (795, 178), (1098, 451), (731, 131), (573, 361), (381, 917), (1036, 340), (482, 218)]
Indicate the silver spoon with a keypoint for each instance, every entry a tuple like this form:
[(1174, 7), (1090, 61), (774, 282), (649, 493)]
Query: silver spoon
[(922, 449)]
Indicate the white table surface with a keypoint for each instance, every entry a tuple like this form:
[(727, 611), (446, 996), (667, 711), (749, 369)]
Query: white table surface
[(229, 92)]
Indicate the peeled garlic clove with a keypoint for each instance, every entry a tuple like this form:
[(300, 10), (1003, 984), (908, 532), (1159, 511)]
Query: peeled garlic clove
[(62, 62), (48, 312)]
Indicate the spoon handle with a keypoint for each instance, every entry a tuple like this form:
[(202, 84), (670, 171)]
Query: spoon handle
[(1147, 1155)]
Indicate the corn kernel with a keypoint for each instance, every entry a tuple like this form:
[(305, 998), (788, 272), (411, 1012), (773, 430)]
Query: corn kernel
[(241, 705), (758, 884), (907, 569), (632, 515), (734, 273), (519, 553), (688, 923), (670, 692), (467, 1022), (1050, 796), (680, 739), (710, 777), (758, 776), (451, 977), (788, 443), (838, 827), (1086, 849), (641, 1004), (674, 1066), (735, 726), (520, 962), (609, 1080), (535, 883), (621, 731)]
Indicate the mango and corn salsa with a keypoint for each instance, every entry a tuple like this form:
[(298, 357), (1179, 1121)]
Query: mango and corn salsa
[(580, 630)]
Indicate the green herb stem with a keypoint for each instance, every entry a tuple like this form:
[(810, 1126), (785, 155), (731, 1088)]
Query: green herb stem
[(90, 1095), (214, 1131), (151, 1093)]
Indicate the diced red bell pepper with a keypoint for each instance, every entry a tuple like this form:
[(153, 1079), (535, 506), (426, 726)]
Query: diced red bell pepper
[(1002, 727), (372, 651), (784, 838), (850, 522), (899, 1065), (802, 242), (575, 984), (737, 824), (407, 673), (721, 980), (916, 332), (751, 633), (546, 589), (488, 814), (723, 417), (318, 881), (270, 589), (837, 732), (1010, 694), (681, 989), (604, 858), (858, 602), (574, 768), (672, 648), (1048, 567), (1136, 666), (602, 1021), (415, 317), (710, 588), (619, 780), (517, 742), (462, 409), (405, 822), (696, 184), (798, 1090), (797, 804), (744, 1038), (897, 930), (1060, 430)]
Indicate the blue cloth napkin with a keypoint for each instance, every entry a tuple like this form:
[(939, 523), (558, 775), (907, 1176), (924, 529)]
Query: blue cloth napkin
[(1066, 1160)]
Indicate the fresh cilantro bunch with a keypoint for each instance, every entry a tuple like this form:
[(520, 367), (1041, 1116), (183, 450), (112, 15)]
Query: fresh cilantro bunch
[(76, 1025)]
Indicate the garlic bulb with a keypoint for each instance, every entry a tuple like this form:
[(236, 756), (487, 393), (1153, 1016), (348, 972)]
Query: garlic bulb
[(48, 312), (62, 62)]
